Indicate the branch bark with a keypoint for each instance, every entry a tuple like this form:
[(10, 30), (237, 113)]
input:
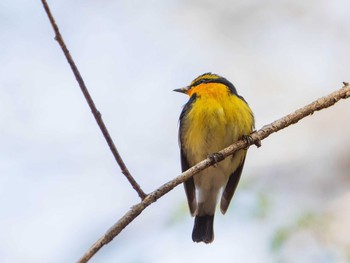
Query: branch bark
[(95, 112), (256, 137)]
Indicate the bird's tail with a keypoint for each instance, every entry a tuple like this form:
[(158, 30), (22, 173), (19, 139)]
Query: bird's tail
[(203, 229)]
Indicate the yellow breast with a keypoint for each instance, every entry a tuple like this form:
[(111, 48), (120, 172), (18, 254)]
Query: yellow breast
[(216, 119)]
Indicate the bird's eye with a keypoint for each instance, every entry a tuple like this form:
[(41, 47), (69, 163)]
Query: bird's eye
[(198, 82), (201, 81)]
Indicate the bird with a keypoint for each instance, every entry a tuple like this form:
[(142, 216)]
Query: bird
[(214, 117)]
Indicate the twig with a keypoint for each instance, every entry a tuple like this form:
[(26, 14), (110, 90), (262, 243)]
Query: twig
[(91, 103), (264, 132)]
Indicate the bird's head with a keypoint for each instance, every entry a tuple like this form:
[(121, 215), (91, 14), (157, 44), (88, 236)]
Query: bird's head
[(199, 84)]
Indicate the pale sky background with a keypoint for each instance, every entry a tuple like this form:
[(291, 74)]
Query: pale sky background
[(60, 188)]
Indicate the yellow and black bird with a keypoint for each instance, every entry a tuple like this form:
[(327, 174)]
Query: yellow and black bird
[(214, 117)]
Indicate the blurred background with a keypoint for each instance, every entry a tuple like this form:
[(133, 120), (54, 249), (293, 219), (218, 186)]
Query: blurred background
[(60, 188)]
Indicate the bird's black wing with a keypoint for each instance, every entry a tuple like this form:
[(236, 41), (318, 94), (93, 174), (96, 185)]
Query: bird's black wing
[(190, 188), (231, 187)]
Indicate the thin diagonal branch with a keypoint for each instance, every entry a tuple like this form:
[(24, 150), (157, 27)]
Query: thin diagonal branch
[(256, 137), (91, 103)]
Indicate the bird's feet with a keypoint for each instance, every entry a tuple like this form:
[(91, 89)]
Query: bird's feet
[(216, 158), (250, 140)]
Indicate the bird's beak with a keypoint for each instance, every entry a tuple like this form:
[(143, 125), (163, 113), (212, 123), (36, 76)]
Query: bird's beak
[(182, 90)]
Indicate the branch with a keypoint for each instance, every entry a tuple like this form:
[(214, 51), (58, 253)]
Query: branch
[(91, 103), (255, 138)]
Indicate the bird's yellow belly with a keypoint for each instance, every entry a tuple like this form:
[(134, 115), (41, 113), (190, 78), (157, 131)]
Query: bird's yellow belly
[(209, 133)]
